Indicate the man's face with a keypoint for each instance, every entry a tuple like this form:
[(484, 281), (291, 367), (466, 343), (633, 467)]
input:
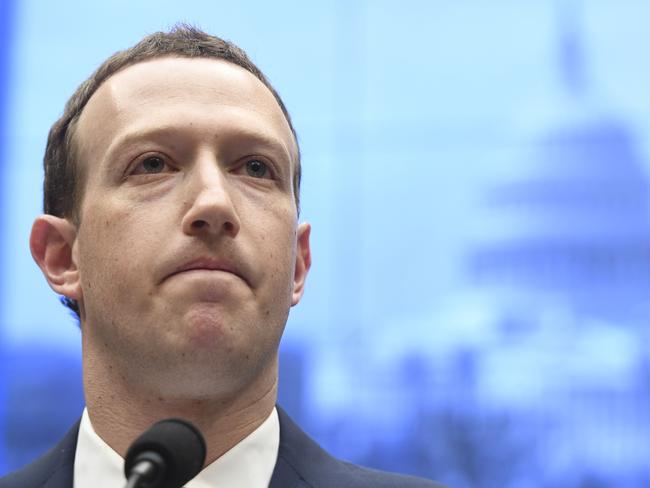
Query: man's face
[(188, 248)]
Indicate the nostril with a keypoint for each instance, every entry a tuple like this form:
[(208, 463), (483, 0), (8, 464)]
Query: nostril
[(201, 224)]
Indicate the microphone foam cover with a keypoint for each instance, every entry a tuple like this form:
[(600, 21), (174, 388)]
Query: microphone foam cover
[(179, 443)]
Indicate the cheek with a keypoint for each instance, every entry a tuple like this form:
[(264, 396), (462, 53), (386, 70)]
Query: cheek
[(112, 253), (280, 243)]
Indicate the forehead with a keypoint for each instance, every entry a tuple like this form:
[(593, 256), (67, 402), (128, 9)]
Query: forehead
[(174, 91)]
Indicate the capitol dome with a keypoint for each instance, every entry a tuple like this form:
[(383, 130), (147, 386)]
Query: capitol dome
[(570, 215)]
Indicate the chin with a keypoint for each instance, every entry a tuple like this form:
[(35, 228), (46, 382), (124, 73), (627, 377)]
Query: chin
[(209, 325)]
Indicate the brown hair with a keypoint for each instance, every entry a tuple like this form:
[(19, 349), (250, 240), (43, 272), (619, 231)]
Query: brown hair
[(62, 189)]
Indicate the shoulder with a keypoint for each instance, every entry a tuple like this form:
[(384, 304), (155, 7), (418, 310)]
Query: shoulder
[(302, 462), (359, 476), (54, 469)]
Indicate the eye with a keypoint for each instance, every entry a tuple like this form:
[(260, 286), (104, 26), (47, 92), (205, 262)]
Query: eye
[(257, 169), (151, 165)]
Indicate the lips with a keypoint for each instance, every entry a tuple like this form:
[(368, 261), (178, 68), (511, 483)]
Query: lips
[(207, 264)]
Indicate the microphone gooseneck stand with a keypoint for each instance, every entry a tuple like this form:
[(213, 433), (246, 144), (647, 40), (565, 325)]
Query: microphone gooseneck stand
[(147, 468), (167, 455)]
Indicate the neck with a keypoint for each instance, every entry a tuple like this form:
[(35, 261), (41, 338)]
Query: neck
[(120, 412)]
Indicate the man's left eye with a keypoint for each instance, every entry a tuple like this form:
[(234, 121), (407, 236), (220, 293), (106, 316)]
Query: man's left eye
[(256, 168)]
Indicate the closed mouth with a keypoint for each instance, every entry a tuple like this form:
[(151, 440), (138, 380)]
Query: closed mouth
[(206, 264)]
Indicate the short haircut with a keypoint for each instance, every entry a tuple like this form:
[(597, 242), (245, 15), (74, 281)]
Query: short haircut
[(62, 186)]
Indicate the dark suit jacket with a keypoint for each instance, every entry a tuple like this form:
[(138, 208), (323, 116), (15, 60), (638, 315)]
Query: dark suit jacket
[(301, 464)]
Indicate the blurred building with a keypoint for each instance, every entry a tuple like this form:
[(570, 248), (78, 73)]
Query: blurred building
[(536, 373)]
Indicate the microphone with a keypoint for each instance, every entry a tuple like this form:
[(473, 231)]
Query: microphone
[(167, 455)]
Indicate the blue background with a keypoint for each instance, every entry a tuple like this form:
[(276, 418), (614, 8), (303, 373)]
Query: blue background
[(476, 178)]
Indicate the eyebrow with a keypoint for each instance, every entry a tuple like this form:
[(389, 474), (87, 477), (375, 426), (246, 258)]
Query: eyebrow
[(264, 140), (162, 133)]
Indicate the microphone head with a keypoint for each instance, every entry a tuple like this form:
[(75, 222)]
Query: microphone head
[(178, 443)]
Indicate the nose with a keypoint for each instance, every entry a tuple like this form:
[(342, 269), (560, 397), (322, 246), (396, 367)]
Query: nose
[(211, 210)]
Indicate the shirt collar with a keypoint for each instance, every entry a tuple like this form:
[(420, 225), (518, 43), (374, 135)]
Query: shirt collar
[(248, 464)]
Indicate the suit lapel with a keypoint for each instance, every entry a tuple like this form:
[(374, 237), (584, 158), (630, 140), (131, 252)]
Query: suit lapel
[(286, 472), (58, 469), (301, 462), (284, 476), (61, 478)]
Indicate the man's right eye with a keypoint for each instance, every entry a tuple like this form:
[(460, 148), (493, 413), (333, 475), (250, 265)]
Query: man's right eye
[(150, 165)]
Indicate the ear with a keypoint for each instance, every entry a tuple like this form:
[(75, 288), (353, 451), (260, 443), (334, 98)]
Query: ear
[(303, 262), (52, 243)]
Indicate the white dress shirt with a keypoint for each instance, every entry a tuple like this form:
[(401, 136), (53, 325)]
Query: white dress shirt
[(248, 464)]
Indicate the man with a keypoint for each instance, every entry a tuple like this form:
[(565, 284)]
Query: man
[(171, 229)]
